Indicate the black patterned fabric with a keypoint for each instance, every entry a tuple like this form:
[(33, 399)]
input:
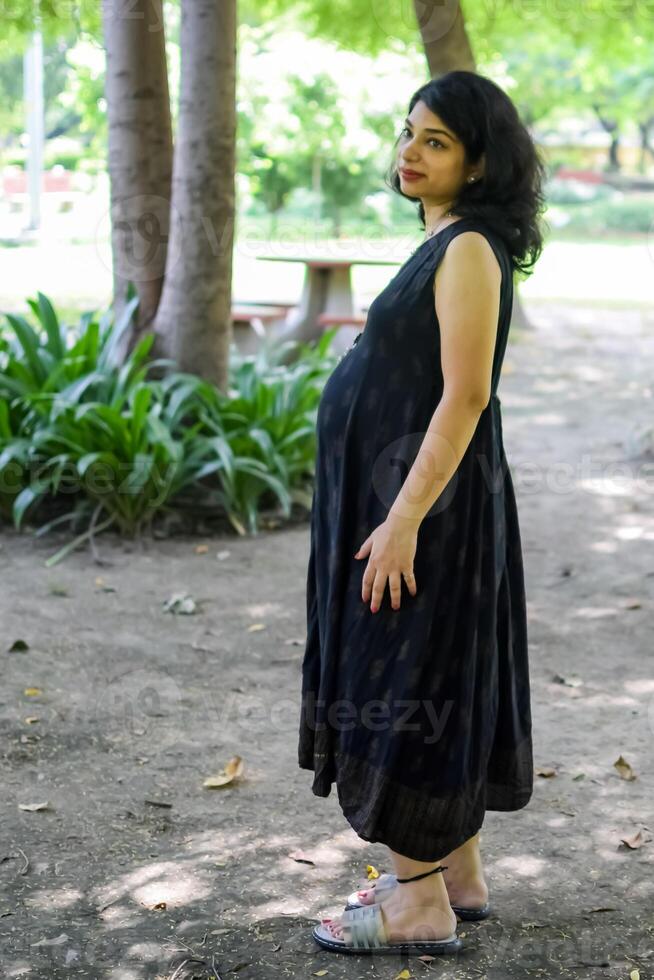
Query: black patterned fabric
[(421, 716)]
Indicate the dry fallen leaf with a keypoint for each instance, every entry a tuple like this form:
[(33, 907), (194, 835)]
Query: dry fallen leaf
[(57, 941), (634, 975), (256, 627), (34, 806), (636, 840), (624, 769), (320, 973), (372, 872), (232, 771), (32, 692), (568, 681), (403, 975), (201, 549), (181, 603), (545, 771), (301, 857), (31, 720)]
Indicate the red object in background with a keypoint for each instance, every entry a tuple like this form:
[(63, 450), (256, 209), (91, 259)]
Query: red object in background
[(53, 180), (57, 180), (585, 176)]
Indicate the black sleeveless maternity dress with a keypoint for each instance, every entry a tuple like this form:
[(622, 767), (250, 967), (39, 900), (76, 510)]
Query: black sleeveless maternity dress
[(421, 715)]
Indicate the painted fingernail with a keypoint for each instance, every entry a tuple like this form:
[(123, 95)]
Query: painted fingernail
[(373, 608)]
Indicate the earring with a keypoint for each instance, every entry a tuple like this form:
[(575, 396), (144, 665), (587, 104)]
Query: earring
[(471, 180)]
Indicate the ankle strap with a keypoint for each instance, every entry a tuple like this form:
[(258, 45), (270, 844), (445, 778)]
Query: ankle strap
[(441, 867)]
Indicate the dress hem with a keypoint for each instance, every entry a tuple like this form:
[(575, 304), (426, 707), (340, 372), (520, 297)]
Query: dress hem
[(404, 818)]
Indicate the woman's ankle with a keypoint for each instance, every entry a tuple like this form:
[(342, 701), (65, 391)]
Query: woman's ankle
[(423, 892)]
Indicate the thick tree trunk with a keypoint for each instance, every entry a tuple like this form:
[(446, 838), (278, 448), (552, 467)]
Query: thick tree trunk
[(447, 48), (140, 153), (444, 36), (194, 316)]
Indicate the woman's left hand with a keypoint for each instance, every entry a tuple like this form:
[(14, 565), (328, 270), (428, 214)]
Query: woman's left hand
[(392, 547)]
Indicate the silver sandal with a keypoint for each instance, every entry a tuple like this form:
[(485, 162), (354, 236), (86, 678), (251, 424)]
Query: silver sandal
[(385, 884), (364, 932)]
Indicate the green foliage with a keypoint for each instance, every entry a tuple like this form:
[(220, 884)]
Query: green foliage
[(46, 366), (609, 30), (54, 19), (576, 192), (120, 446), (633, 212), (263, 431)]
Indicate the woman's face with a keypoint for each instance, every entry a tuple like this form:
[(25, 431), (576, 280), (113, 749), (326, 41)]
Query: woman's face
[(432, 151)]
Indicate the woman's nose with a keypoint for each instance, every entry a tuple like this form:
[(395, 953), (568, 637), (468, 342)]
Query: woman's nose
[(409, 149)]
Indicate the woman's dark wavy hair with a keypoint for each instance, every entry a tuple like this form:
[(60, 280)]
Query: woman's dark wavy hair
[(509, 197)]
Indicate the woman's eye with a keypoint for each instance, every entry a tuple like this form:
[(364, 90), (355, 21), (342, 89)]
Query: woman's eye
[(407, 132)]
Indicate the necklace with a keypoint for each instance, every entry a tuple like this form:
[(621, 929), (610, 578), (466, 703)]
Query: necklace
[(434, 231), (448, 214)]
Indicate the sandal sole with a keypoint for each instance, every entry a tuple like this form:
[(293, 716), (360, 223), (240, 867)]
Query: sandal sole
[(418, 947)]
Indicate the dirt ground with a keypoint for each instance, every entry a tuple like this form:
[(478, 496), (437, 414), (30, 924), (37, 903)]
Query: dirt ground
[(134, 869)]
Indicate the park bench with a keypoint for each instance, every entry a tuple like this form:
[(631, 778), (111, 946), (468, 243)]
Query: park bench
[(253, 322), (342, 319), (259, 315)]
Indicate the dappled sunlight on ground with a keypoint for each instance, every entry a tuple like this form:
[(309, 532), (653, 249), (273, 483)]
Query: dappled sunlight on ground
[(135, 867)]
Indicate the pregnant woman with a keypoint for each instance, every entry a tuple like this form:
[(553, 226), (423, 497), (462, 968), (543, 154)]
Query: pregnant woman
[(415, 677)]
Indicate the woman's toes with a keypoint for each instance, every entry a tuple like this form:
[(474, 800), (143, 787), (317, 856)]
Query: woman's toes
[(333, 926)]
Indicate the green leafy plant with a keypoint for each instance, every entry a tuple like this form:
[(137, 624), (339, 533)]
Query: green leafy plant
[(101, 444)]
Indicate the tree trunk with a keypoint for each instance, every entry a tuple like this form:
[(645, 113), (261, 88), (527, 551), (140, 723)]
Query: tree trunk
[(610, 126), (194, 316), (444, 36), (646, 148), (140, 153), (448, 48), (614, 160)]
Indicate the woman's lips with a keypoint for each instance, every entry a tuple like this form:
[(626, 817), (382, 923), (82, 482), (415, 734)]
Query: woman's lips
[(410, 175)]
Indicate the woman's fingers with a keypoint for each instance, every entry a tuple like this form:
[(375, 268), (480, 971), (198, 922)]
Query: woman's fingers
[(378, 587), (410, 580), (374, 583), (366, 581), (395, 587), (365, 548)]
